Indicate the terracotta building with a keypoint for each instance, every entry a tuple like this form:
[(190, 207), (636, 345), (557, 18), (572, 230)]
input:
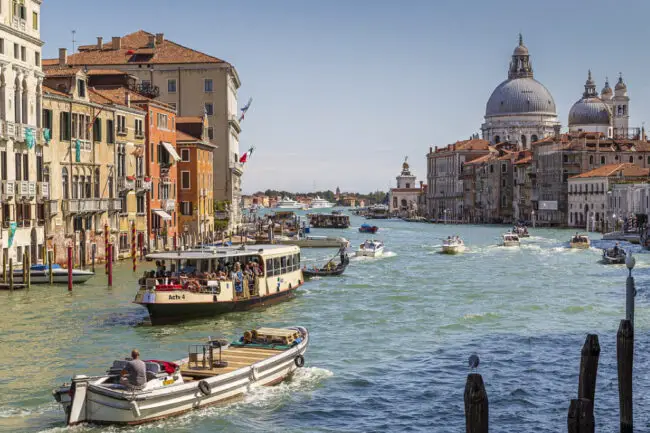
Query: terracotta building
[(195, 170)]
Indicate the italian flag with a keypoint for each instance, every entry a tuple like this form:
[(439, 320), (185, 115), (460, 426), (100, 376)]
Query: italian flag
[(245, 157)]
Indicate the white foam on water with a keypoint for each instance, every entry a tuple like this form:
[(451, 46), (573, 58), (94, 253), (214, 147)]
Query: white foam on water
[(18, 412), (303, 379)]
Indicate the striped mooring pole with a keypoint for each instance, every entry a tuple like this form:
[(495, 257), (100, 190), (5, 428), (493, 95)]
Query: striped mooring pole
[(106, 252), (133, 246)]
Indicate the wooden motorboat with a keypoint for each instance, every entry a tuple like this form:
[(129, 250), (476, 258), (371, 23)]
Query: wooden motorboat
[(521, 231), (330, 269), (212, 373), (614, 256), (510, 239), (40, 274), (367, 228), (579, 241), (371, 248), (453, 245)]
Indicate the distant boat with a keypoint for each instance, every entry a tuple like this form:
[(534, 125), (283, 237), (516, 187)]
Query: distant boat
[(287, 203), (579, 241), (320, 203), (371, 248), (453, 245), (40, 274), (367, 228), (314, 241), (614, 256), (510, 239)]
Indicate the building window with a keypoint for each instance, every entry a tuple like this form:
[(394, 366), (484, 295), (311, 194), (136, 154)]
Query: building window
[(186, 208), (66, 187), (19, 10), (23, 54), (162, 121), (121, 124), (81, 88), (210, 133), (110, 132), (591, 159), (139, 127), (35, 20), (2, 45), (140, 203), (97, 182), (631, 159), (185, 155), (171, 85), (207, 85), (185, 180), (209, 108), (16, 51), (97, 130), (602, 159), (172, 104)]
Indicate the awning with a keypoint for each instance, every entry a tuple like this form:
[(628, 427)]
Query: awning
[(171, 150), (162, 214)]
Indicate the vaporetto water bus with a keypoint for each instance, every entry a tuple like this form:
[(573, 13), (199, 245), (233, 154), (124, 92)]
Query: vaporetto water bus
[(214, 280)]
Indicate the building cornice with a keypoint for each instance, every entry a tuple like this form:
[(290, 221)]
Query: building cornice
[(70, 100), (11, 30)]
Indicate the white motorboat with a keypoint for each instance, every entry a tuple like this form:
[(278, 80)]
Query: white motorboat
[(510, 240), (321, 203), (314, 241), (212, 373), (371, 248), (453, 245), (287, 203), (40, 274), (579, 241), (614, 256)]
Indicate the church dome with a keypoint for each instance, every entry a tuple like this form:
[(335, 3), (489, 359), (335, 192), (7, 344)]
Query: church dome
[(620, 85), (590, 111), (520, 96)]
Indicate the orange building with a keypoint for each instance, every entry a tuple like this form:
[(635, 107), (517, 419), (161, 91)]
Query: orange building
[(161, 168), (195, 171)]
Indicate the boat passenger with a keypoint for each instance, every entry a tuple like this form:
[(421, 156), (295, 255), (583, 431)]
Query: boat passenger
[(238, 278), (134, 375)]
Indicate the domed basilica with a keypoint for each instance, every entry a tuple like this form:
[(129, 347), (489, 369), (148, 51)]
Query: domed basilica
[(520, 109)]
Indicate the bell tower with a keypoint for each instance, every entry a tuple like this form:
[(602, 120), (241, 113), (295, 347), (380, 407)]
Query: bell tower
[(620, 105)]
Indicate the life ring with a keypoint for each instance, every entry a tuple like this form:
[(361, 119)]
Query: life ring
[(204, 387), (299, 361), (192, 286)]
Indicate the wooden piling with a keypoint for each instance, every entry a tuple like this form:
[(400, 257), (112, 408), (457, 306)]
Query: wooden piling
[(589, 368), (110, 265), (50, 259), (11, 274), (69, 268), (54, 253), (44, 253), (27, 274), (476, 405), (4, 269), (624, 361), (93, 251), (133, 246), (581, 416)]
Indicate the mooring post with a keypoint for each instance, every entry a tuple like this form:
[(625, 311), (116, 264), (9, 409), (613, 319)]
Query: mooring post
[(110, 264), (133, 246), (11, 274), (27, 274), (93, 252), (581, 416), (24, 268), (476, 405), (69, 268), (4, 269), (44, 253), (624, 361), (630, 292), (589, 368), (50, 259)]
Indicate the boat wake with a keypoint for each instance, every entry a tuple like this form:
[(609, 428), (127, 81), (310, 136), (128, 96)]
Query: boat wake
[(386, 255), (303, 379)]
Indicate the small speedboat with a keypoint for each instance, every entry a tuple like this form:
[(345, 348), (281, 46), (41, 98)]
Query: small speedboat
[(371, 248), (40, 274), (614, 256), (579, 241), (453, 245), (521, 231), (510, 239), (213, 372), (367, 228)]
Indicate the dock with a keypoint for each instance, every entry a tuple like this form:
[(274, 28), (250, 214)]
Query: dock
[(17, 286)]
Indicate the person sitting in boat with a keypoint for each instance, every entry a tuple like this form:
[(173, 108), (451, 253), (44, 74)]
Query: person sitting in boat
[(134, 375), (238, 278)]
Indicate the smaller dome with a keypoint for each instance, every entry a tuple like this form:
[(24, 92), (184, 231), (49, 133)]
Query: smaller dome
[(606, 90), (590, 111), (620, 85), (521, 50)]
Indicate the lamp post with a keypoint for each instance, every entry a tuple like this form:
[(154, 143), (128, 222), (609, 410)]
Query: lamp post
[(532, 213), (445, 215)]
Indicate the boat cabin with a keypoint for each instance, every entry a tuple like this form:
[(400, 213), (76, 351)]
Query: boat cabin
[(329, 221)]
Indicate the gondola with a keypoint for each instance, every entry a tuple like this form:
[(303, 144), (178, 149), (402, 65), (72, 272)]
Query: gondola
[(327, 271)]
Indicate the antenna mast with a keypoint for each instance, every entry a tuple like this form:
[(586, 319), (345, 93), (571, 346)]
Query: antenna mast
[(73, 41)]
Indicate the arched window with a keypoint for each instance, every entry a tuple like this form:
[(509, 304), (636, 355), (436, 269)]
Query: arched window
[(17, 101), (25, 104), (523, 141), (591, 159), (89, 187), (497, 139), (111, 193), (97, 183), (631, 159), (66, 184), (75, 186), (533, 138), (602, 159)]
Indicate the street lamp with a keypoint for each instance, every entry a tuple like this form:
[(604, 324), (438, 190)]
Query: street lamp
[(532, 213)]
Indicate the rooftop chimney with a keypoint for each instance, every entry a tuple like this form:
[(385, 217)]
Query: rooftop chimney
[(63, 56), (152, 41), (100, 42), (556, 129), (127, 98), (160, 38), (117, 42)]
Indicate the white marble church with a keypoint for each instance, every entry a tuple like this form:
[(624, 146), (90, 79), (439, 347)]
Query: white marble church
[(403, 199)]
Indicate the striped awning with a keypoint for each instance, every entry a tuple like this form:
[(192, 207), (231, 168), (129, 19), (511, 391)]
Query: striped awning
[(162, 214)]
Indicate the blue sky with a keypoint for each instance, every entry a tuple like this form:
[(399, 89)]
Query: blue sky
[(343, 90)]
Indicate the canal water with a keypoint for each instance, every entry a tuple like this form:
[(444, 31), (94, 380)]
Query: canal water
[(390, 338)]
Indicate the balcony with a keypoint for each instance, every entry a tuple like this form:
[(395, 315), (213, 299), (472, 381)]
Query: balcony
[(124, 184), (8, 189), (141, 184), (169, 205), (146, 89), (19, 23), (237, 168), (53, 207), (103, 205), (26, 189), (43, 190), (114, 204), (11, 129), (233, 120), (76, 205)]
